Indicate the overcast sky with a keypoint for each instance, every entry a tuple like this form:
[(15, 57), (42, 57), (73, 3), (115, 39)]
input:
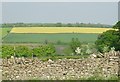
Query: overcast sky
[(65, 12)]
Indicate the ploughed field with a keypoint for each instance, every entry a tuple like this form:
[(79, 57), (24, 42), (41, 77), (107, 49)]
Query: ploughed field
[(50, 34)]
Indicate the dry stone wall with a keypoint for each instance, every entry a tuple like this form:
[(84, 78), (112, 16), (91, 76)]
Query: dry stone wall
[(25, 68)]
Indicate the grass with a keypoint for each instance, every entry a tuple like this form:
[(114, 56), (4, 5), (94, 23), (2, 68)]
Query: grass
[(99, 78), (58, 30), (112, 78), (56, 57), (50, 38), (4, 31)]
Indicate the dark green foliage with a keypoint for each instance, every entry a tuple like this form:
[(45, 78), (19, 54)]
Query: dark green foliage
[(25, 51), (110, 38), (7, 51), (47, 50), (22, 51), (69, 25), (59, 24), (50, 50), (117, 25), (46, 41), (74, 44), (39, 51)]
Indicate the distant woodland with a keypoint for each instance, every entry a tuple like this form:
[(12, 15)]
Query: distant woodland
[(55, 25)]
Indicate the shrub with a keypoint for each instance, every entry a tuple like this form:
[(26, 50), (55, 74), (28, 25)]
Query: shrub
[(7, 51), (74, 44), (22, 51), (47, 50), (86, 49), (110, 38), (107, 39), (38, 51), (25, 51)]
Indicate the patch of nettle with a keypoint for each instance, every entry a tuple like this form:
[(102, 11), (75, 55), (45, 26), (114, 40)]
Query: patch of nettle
[(25, 51)]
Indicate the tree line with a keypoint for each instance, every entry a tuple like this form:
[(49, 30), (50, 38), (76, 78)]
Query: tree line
[(54, 25)]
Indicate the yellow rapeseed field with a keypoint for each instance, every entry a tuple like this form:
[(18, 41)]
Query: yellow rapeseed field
[(58, 30)]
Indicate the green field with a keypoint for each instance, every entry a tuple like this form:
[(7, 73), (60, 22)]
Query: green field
[(53, 38), (5, 31)]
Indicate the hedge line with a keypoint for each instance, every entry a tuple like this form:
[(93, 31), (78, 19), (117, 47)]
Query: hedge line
[(25, 51)]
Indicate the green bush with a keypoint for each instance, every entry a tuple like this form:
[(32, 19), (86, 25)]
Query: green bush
[(110, 38), (7, 51), (50, 50), (25, 51), (38, 51), (22, 51), (47, 50), (107, 39), (87, 49), (74, 44)]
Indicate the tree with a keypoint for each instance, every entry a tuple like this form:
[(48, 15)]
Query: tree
[(117, 26), (69, 25), (74, 44), (110, 38), (58, 24), (117, 44)]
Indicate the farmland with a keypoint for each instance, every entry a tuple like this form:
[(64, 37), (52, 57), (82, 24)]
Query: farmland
[(50, 34), (58, 30), (5, 31), (53, 38), (29, 42)]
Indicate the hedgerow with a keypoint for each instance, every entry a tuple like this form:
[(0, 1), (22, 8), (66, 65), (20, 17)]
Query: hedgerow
[(7, 51), (25, 51)]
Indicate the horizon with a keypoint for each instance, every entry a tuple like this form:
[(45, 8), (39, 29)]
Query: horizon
[(82, 12), (57, 22)]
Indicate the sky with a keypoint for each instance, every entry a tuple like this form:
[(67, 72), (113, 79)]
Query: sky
[(65, 12), (119, 11), (59, 0)]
